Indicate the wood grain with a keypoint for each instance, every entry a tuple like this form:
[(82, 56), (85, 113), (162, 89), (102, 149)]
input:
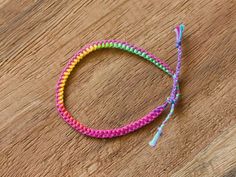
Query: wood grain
[(111, 88), (218, 159)]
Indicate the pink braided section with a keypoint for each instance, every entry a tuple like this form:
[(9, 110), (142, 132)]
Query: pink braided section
[(109, 133)]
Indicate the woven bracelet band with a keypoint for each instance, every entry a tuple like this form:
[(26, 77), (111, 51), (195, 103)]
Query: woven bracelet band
[(110, 133)]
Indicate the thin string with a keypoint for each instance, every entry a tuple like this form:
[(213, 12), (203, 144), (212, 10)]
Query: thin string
[(174, 95)]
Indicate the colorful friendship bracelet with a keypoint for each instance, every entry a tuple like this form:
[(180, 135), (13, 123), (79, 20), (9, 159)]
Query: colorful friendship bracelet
[(110, 133)]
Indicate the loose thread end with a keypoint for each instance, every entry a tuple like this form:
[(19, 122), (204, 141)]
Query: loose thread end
[(179, 33), (156, 137), (181, 26)]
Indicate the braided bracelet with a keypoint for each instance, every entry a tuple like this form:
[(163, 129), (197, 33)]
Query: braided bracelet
[(171, 100)]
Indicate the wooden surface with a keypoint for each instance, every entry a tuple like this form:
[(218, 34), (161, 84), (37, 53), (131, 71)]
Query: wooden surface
[(111, 88)]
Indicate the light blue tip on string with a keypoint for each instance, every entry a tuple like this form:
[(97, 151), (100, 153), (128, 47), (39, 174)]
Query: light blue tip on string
[(156, 137), (181, 29)]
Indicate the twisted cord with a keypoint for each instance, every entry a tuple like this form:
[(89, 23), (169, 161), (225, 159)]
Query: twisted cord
[(174, 94)]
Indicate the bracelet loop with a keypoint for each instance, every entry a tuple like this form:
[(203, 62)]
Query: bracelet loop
[(110, 133)]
